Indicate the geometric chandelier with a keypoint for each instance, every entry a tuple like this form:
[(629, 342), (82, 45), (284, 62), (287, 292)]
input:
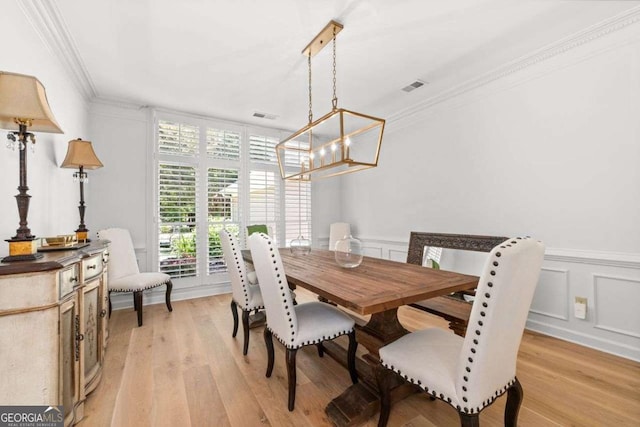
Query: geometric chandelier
[(340, 142)]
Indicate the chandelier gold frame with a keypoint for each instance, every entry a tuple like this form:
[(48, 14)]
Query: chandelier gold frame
[(340, 142)]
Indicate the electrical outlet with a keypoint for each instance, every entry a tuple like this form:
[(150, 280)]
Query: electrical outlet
[(580, 308)]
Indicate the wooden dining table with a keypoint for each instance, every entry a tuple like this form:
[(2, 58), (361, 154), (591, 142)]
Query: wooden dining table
[(376, 287)]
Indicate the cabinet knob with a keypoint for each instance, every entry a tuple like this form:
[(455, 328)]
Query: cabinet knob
[(92, 267), (80, 337), (73, 279), (103, 312)]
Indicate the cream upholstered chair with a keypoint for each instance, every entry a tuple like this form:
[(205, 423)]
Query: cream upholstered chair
[(244, 285), (295, 326), (337, 231), (470, 373), (124, 275)]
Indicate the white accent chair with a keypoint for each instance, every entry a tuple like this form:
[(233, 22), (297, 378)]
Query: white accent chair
[(124, 274), (337, 231), (299, 325), (244, 286), (470, 373)]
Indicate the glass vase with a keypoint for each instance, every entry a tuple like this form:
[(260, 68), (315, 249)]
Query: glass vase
[(348, 252)]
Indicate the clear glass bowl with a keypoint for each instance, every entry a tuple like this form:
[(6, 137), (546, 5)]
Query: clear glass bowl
[(300, 246)]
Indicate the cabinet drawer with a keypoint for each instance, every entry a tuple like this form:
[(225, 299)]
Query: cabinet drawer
[(68, 279), (91, 267)]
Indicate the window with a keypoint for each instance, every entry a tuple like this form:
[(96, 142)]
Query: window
[(212, 176)]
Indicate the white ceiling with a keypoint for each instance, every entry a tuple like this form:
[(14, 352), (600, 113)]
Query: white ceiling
[(230, 58)]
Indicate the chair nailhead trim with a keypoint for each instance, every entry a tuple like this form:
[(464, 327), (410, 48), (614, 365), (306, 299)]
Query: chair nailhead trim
[(310, 342), (473, 350), (141, 289)]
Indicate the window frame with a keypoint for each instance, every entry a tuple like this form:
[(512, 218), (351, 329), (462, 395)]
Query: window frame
[(202, 164)]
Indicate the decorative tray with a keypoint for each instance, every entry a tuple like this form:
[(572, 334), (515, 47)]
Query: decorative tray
[(65, 242)]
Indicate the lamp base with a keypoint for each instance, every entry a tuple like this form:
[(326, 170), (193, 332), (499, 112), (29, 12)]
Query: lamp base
[(22, 250), (82, 236)]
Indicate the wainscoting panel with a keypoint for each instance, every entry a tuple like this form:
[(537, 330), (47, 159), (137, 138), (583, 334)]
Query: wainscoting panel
[(396, 255), (372, 251), (552, 294), (616, 304)]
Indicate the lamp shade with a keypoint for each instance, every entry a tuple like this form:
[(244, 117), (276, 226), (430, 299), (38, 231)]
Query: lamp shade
[(80, 153), (23, 99)]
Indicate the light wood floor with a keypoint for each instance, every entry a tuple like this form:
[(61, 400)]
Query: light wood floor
[(185, 369)]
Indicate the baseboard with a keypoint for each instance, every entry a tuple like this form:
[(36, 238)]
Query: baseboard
[(590, 341), (121, 301)]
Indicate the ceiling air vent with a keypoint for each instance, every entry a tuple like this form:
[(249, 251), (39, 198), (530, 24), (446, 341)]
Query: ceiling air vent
[(413, 86), (265, 116)]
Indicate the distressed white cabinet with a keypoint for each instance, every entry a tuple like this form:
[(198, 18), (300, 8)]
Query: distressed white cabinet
[(53, 328)]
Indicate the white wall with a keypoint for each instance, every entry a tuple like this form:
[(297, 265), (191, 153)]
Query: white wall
[(54, 203), (551, 151)]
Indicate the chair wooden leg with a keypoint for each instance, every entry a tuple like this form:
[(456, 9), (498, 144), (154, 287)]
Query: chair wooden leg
[(469, 420), (268, 340), (245, 327), (137, 297), (291, 374), (320, 349), (514, 400), (167, 295), (351, 357), (234, 313), (385, 380)]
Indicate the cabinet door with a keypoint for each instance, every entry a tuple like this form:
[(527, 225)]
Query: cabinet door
[(93, 343), (105, 298), (70, 338)]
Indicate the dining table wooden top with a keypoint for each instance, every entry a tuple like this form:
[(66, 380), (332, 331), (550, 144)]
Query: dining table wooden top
[(374, 286)]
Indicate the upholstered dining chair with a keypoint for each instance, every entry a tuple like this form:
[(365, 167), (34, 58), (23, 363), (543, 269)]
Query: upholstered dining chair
[(124, 274), (244, 286), (295, 326), (470, 373), (337, 231), (257, 228)]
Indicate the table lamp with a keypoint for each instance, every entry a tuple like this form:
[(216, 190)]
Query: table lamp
[(80, 155), (23, 106)]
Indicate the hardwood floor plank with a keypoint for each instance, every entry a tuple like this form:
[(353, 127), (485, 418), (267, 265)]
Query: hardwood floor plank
[(135, 396), (184, 368), (205, 404), (169, 404), (240, 404)]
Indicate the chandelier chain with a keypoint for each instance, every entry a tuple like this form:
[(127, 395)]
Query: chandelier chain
[(310, 103), (334, 101)]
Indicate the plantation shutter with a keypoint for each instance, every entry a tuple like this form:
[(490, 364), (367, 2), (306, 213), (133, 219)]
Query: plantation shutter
[(264, 199), (297, 210), (177, 195), (178, 139), (223, 211)]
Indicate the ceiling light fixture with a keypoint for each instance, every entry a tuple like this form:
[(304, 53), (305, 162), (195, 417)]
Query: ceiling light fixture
[(340, 142)]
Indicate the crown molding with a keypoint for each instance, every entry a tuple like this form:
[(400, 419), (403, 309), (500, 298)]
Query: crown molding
[(48, 23), (559, 47)]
